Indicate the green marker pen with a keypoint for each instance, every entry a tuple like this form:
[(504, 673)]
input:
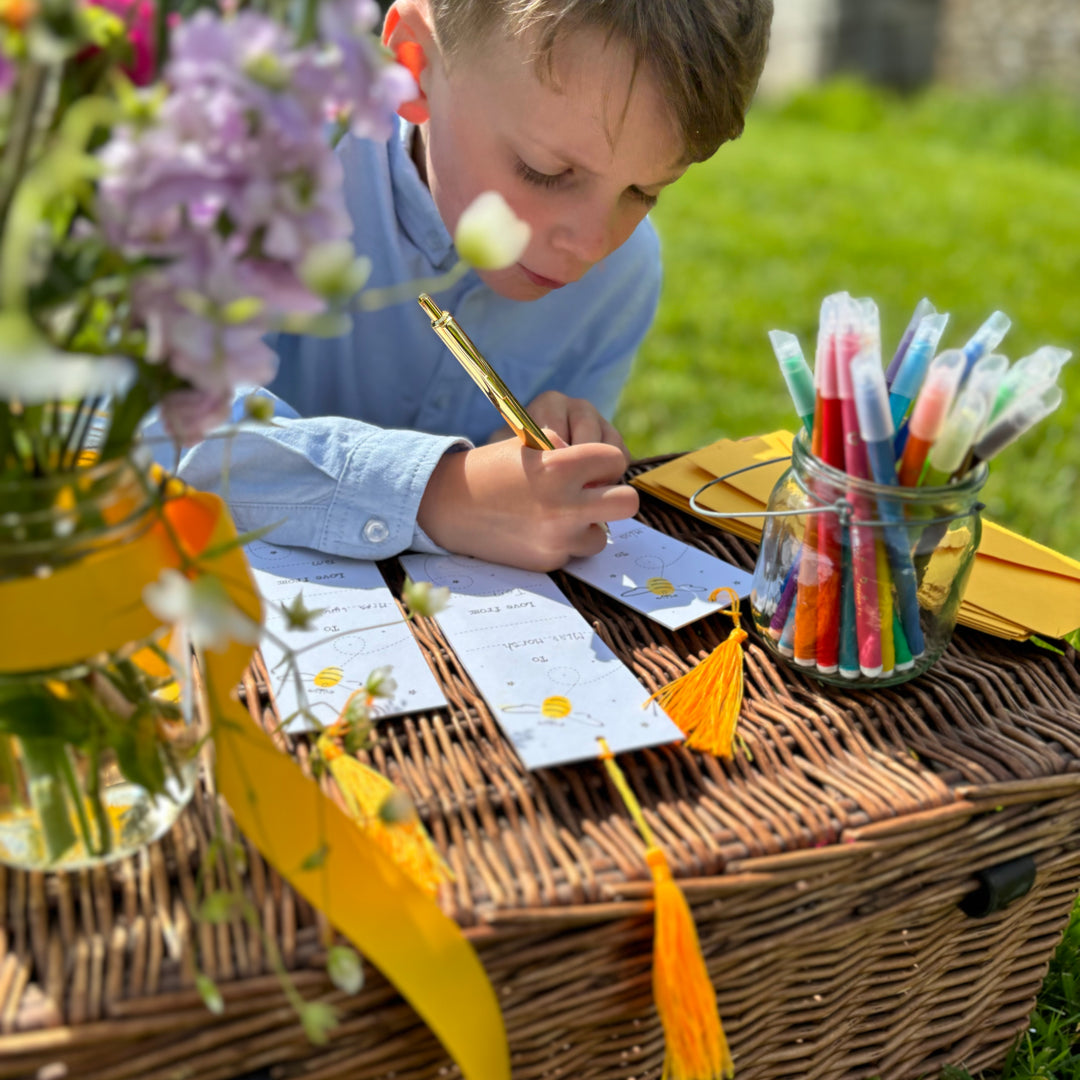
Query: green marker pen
[(797, 375)]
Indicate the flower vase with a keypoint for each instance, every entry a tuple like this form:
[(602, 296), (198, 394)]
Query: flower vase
[(97, 756)]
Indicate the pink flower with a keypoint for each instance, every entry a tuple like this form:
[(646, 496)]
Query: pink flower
[(138, 16)]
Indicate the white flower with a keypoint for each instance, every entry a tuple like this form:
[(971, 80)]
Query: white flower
[(489, 235), (423, 598), (380, 684), (203, 609), (32, 371)]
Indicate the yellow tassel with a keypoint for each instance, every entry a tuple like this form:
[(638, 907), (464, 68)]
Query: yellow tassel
[(705, 702), (406, 842), (695, 1045)]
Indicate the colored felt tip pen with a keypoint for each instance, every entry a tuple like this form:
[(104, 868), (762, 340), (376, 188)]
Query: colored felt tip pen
[(928, 415), (912, 369), (1023, 414), (876, 429), (986, 376), (984, 340), (1041, 366), (922, 309), (958, 434), (797, 374)]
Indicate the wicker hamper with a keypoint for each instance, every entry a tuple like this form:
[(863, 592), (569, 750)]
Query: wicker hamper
[(827, 869)]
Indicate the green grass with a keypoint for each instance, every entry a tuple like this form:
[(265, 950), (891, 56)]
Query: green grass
[(972, 202), (948, 198)]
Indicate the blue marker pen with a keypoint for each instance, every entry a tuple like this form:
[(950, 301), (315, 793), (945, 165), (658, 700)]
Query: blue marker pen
[(876, 429), (984, 340), (922, 309), (912, 370)]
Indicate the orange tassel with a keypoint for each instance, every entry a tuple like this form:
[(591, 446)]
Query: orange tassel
[(705, 702), (365, 792), (695, 1045)]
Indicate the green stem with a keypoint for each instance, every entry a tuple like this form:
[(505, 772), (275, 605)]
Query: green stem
[(375, 299), (23, 124), (78, 799), (93, 796), (43, 768)]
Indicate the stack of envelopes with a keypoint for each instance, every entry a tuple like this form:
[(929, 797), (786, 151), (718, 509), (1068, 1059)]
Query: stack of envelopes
[(1017, 587)]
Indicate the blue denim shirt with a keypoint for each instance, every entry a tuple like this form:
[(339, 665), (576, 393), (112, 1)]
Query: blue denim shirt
[(362, 420)]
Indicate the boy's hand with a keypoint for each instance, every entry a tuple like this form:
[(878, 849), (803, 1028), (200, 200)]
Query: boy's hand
[(535, 509), (574, 420)]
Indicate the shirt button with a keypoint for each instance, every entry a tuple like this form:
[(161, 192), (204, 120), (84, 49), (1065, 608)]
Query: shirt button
[(376, 531)]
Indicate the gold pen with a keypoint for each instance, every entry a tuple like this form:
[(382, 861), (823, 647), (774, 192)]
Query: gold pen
[(484, 375)]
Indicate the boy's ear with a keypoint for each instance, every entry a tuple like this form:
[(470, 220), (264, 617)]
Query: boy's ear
[(407, 34)]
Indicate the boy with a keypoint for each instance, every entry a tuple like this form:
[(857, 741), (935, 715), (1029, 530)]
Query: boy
[(579, 113)]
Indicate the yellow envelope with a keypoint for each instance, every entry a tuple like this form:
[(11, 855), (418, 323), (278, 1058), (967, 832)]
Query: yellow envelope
[(1017, 586)]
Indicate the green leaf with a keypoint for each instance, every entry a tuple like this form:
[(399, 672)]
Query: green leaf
[(32, 711), (210, 994), (218, 550), (1046, 645), (319, 1019), (316, 858), (345, 969), (1073, 638), (218, 907), (138, 752)]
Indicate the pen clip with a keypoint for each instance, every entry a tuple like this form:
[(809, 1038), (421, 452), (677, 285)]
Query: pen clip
[(485, 376)]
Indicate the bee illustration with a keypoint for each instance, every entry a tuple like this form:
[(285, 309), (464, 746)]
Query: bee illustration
[(658, 584), (329, 676), (556, 709)]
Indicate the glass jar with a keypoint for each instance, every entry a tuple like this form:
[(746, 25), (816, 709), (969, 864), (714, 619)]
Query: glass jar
[(96, 759), (859, 584)]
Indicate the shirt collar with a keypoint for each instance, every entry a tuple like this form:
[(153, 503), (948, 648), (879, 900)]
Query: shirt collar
[(416, 211)]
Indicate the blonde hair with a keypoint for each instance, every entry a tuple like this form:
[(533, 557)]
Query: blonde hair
[(706, 54)]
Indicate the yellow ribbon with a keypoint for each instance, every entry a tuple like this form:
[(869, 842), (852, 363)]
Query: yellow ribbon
[(96, 605)]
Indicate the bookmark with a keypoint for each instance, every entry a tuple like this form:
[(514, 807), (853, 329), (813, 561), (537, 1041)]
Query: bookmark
[(349, 594), (661, 577), (551, 682)]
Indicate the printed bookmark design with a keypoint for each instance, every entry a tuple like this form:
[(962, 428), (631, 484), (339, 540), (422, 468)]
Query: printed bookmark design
[(353, 597), (661, 577), (552, 684)]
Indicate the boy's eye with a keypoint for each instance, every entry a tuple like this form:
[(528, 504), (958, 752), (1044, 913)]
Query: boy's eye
[(531, 176), (643, 196)]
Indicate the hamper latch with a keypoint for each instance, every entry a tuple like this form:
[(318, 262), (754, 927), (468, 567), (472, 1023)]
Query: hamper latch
[(999, 886)]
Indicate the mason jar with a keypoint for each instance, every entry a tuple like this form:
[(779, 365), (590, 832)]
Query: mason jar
[(858, 583), (96, 759)]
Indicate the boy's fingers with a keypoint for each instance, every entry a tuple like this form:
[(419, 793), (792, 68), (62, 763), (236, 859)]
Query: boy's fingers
[(591, 541), (556, 439), (615, 503)]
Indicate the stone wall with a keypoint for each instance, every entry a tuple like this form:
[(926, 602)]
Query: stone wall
[(1005, 44)]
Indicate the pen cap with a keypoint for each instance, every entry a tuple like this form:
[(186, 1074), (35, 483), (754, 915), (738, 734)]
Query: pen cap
[(826, 334), (961, 428), (849, 342), (922, 309), (871, 397), (1018, 418), (986, 376), (936, 395), (912, 371), (987, 337), (1043, 365), (796, 371), (869, 324), (785, 345)]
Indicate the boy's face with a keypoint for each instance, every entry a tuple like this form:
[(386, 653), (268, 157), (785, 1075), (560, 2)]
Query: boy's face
[(581, 158)]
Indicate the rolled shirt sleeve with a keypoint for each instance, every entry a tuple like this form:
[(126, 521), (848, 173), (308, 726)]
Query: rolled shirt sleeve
[(328, 483)]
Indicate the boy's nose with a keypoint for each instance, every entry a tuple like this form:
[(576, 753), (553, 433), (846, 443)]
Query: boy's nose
[(586, 236)]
